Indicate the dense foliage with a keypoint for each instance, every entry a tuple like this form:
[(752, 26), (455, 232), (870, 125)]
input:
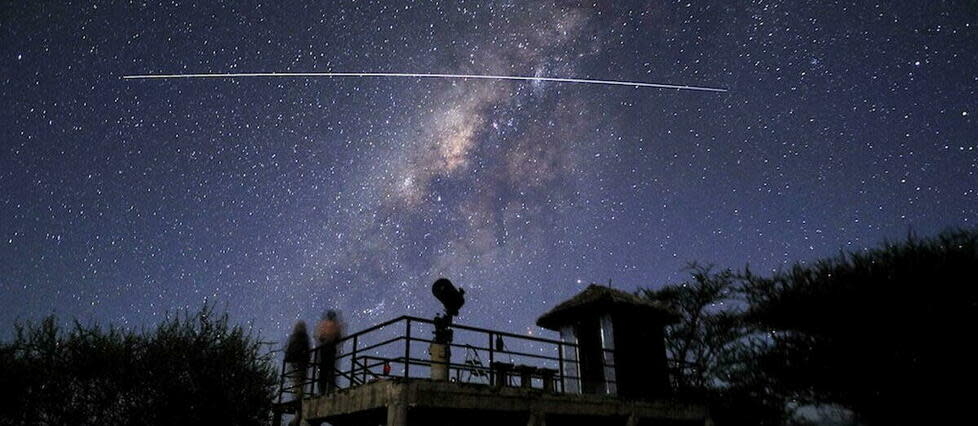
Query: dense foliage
[(883, 333), (191, 369)]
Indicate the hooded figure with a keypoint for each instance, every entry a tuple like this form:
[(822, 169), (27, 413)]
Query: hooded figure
[(297, 356), (329, 331)]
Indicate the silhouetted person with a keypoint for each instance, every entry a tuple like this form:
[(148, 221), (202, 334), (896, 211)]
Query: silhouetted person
[(329, 330), (297, 356)]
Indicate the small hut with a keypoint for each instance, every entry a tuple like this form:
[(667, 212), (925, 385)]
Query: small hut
[(620, 343)]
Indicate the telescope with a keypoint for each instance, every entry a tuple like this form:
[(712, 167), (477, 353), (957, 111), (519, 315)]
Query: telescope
[(450, 297)]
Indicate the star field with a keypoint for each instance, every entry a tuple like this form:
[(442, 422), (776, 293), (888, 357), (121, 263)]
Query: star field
[(846, 123)]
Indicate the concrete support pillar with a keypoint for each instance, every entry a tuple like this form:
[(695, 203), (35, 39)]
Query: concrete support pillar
[(297, 419), (397, 414), (632, 420)]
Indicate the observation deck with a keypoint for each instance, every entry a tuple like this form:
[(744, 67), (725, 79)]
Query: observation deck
[(383, 375)]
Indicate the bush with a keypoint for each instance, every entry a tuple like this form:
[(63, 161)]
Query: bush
[(883, 332), (191, 369)]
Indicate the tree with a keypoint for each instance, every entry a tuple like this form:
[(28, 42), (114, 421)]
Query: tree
[(713, 352), (191, 369), (885, 333)]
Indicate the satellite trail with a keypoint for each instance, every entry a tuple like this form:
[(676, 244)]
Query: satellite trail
[(425, 75)]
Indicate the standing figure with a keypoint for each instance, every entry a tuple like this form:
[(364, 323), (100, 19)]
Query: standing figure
[(297, 357), (328, 333)]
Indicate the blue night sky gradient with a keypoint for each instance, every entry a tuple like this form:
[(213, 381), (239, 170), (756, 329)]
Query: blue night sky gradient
[(846, 123)]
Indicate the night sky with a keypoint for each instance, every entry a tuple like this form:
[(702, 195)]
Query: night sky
[(845, 124)]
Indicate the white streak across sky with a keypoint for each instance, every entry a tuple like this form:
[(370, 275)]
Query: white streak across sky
[(424, 75)]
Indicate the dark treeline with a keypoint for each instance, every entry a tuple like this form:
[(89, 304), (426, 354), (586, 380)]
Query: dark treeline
[(190, 369), (884, 333)]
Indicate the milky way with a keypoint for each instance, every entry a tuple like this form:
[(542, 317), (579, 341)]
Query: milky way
[(121, 200)]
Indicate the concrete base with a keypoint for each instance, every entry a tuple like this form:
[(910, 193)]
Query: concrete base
[(418, 401)]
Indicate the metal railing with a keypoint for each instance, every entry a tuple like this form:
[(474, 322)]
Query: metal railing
[(399, 349)]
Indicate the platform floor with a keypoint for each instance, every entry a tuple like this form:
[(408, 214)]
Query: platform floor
[(403, 402)]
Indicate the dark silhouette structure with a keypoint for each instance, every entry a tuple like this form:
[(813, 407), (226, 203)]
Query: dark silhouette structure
[(620, 341), (608, 367)]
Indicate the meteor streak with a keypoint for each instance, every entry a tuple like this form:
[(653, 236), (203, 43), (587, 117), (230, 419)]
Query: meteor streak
[(424, 75)]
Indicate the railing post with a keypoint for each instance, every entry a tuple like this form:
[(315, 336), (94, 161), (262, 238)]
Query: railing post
[(560, 365), (353, 361), (315, 364), (407, 349), (492, 358), (281, 384)]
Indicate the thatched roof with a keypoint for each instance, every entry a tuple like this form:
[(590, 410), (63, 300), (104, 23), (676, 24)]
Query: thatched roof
[(598, 298)]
